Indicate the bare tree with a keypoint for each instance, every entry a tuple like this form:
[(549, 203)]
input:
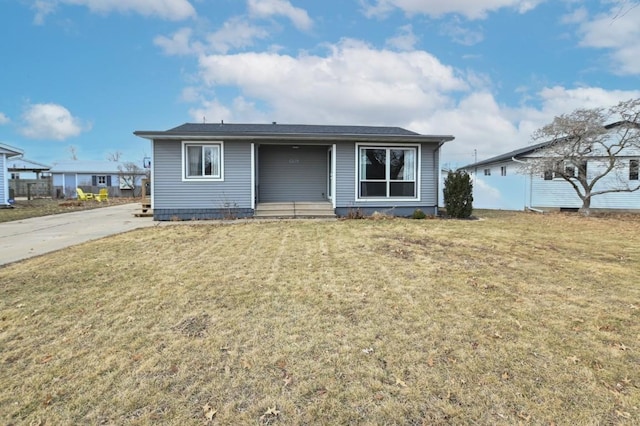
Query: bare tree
[(129, 175), (589, 145), (114, 156), (73, 152)]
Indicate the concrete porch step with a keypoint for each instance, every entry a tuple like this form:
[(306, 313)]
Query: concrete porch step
[(295, 209)]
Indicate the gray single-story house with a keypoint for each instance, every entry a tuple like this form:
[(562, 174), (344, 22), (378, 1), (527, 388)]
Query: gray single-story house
[(209, 171)]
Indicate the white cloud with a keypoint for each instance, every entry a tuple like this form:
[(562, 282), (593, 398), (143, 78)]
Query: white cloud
[(50, 121), (404, 40), (4, 119), (42, 9), (236, 33), (268, 8), (174, 10), (213, 111), (471, 9), (576, 17), (618, 32), (461, 34), (342, 87), (179, 43)]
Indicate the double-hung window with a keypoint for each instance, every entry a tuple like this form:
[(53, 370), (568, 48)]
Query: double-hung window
[(202, 160), (634, 169), (385, 172)]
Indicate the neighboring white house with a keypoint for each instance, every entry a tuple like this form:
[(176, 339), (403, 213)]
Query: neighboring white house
[(21, 168), (6, 152), (91, 176), (503, 182)]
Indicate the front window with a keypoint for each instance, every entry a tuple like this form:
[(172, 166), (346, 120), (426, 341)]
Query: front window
[(202, 161), (387, 172), (102, 180), (487, 172)]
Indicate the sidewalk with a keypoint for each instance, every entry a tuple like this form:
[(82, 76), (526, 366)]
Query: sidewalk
[(31, 237)]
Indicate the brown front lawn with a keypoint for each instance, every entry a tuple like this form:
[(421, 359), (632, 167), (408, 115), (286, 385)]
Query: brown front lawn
[(514, 319)]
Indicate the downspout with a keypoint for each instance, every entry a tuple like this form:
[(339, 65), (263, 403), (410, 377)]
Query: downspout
[(436, 161)]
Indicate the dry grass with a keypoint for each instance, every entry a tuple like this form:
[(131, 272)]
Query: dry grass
[(24, 209), (516, 319)]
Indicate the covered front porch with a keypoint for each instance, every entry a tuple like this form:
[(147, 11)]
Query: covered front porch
[(293, 177)]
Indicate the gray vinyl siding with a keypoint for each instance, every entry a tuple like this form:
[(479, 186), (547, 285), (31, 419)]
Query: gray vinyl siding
[(171, 192), (346, 180), (288, 174)]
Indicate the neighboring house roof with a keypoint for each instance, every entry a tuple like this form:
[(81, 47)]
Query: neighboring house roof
[(88, 167), (10, 151), (22, 164), (531, 148), (508, 156), (290, 132)]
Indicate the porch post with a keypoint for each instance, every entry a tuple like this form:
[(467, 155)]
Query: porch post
[(333, 173), (253, 176)]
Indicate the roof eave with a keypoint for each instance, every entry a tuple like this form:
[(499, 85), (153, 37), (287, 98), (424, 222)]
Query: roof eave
[(292, 137)]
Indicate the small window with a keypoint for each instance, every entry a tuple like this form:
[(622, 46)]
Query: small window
[(634, 168), (558, 169), (503, 171), (202, 161), (15, 175), (487, 172), (102, 180), (569, 170), (548, 175), (582, 170)]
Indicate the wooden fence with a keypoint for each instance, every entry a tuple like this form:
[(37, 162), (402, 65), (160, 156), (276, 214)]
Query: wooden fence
[(31, 188)]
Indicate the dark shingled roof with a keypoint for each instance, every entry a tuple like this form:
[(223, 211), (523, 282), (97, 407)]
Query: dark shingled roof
[(297, 129), (291, 132)]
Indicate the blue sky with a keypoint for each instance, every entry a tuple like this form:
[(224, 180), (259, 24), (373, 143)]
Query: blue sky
[(82, 75)]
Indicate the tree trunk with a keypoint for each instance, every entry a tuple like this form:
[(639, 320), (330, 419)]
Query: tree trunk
[(586, 206)]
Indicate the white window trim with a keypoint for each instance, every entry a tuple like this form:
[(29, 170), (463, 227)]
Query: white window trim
[(418, 149), (104, 177), (183, 152)]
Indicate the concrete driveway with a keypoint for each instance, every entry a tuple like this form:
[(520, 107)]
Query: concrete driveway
[(27, 238)]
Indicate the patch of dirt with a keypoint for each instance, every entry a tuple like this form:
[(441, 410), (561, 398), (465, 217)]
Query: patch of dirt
[(194, 326)]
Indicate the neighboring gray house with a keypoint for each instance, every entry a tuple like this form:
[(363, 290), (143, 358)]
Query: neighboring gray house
[(205, 171), (91, 176), (6, 152)]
